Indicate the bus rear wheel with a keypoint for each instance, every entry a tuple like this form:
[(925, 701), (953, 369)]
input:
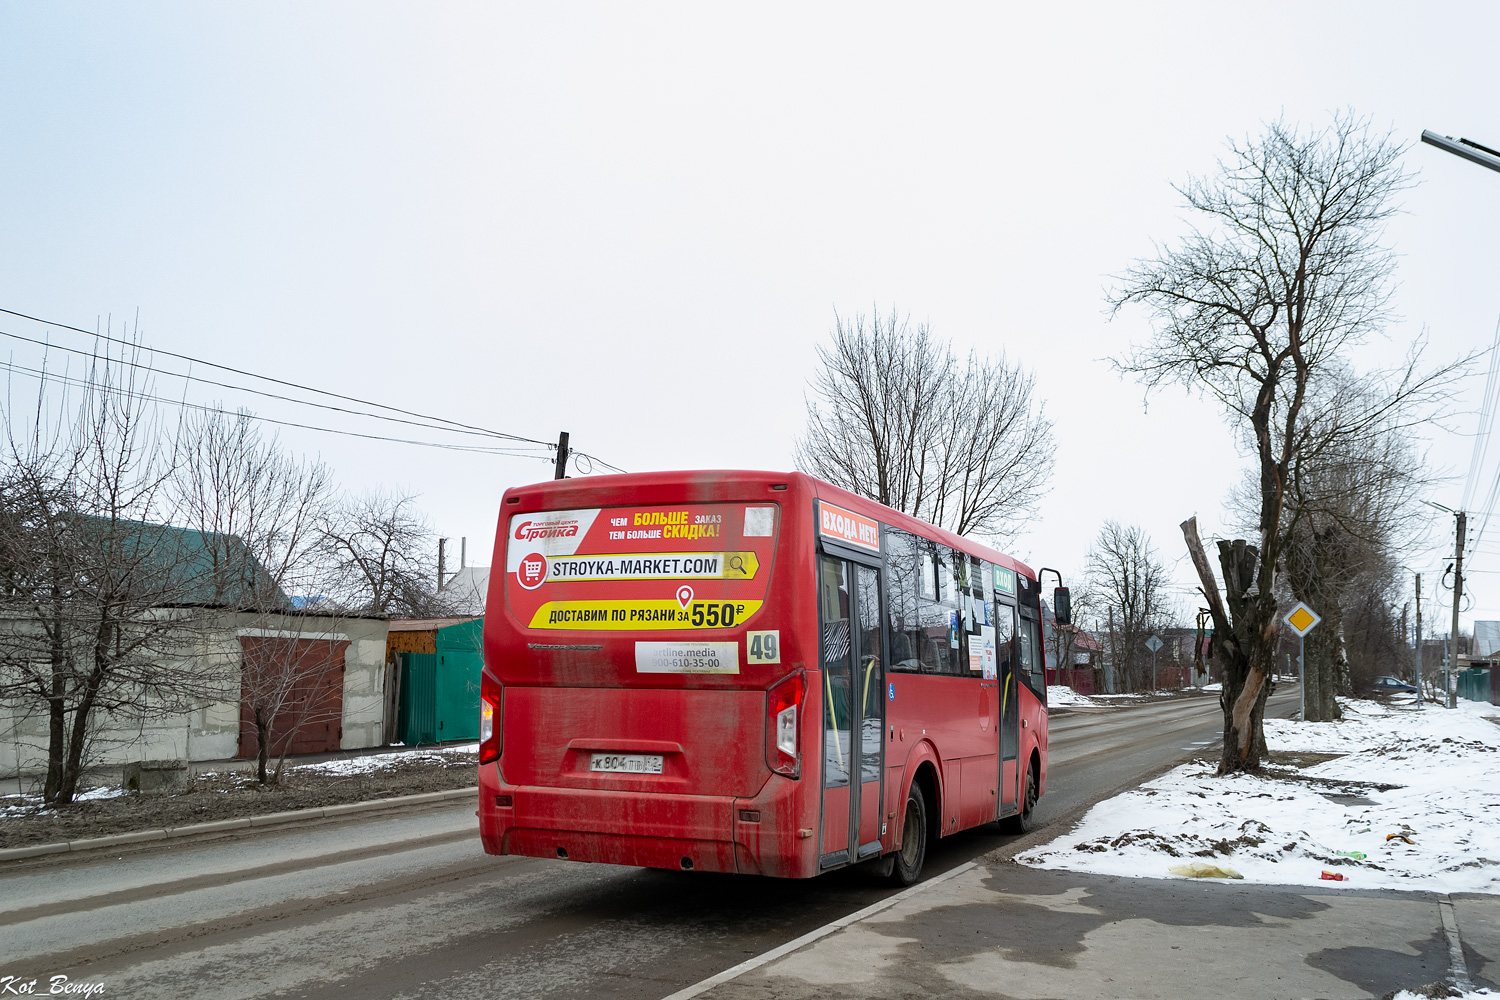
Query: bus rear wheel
[(908, 861)]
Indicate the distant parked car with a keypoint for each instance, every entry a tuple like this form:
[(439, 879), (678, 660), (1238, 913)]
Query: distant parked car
[(1391, 685)]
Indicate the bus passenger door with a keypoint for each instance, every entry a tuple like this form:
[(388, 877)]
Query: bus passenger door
[(853, 668), (1010, 708)]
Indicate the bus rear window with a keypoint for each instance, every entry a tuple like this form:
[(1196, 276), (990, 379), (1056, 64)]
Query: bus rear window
[(680, 567)]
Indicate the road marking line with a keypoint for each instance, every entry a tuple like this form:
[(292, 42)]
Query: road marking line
[(734, 972), (1460, 973)]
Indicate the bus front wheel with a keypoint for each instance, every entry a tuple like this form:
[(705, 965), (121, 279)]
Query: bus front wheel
[(1022, 821), (908, 861)]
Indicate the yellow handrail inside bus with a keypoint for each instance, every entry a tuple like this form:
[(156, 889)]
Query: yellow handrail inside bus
[(834, 715), (864, 698)]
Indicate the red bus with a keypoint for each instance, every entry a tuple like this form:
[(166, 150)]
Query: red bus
[(750, 672)]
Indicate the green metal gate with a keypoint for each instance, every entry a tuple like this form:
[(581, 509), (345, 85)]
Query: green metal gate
[(440, 691), (418, 719), (1474, 684)]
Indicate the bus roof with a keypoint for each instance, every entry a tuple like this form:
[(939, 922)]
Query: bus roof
[(708, 485)]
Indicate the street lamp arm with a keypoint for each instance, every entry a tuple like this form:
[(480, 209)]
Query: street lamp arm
[(1468, 149)]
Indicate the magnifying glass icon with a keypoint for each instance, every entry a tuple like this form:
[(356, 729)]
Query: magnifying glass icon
[(738, 565)]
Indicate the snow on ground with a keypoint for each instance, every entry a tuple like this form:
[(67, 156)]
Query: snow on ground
[(25, 804), (1415, 791), (381, 761), (1061, 695)]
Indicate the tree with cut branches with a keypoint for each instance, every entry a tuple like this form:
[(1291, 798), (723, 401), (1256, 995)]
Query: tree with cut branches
[(899, 417), (1284, 272)]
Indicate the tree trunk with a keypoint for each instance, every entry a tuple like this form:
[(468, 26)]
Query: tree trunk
[(73, 762), (56, 739), (262, 751), (1244, 637), (1336, 680), (1315, 657)]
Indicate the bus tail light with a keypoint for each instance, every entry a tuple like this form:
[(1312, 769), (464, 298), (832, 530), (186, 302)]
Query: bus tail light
[(490, 734), (783, 745)]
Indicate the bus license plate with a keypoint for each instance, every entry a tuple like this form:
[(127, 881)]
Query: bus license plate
[(631, 763)]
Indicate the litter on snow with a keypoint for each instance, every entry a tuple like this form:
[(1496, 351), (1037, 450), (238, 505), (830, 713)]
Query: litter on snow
[(1202, 869), (1389, 797)]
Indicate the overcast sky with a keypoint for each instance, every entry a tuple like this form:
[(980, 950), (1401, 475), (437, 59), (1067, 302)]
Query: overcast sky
[(634, 222)]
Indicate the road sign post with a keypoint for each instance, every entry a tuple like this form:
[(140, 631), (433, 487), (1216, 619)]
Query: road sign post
[(1153, 644), (1303, 620)]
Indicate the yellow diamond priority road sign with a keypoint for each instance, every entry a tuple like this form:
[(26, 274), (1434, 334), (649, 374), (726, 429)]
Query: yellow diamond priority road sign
[(1302, 619)]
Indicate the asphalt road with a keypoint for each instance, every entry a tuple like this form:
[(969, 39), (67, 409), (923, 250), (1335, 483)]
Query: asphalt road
[(410, 906)]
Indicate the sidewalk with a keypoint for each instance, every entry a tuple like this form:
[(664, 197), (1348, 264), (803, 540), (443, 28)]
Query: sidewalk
[(1003, 930)]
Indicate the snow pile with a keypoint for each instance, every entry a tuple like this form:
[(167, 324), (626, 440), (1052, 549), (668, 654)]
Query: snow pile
[(384, 761), (1062, 696), (1387, 798)]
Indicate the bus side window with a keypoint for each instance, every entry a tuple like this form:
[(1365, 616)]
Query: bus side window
[(1030, 652), (935, 616), (903, 588), (1023, 650), (1039, 663), (972, 594)]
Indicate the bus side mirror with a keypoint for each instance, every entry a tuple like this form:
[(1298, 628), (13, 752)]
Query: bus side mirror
[(1062, 608)]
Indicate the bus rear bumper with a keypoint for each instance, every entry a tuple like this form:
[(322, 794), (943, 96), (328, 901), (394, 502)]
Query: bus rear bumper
[(651, 830)]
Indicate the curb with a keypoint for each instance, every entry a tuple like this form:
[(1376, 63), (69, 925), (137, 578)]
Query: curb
[(244, 823)]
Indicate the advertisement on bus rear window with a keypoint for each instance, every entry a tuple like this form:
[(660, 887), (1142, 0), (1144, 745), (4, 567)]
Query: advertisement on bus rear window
[(687, 567)]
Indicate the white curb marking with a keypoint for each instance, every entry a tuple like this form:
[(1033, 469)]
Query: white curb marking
[(1460, 971)]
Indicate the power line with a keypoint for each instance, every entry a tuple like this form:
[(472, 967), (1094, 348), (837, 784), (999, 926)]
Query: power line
[(149, 397), (452, 426), (1486, 418), (257, 392), (266, 378)]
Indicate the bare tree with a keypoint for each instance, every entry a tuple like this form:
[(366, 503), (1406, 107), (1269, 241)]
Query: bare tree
[(1084, 606), (259, 513), (101, 615), (381, 550), (1351, 501), (260, 510), (898, 417), (1131, 583), (1287, 273), (1351, 504)]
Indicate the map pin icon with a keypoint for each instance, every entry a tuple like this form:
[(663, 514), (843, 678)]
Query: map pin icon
[(684, 596)]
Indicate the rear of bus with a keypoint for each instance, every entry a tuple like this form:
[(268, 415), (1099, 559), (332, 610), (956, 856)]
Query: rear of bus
[(645, 675)]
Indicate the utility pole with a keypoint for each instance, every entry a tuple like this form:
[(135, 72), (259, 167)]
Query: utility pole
[(442, 553), (561, 471), (1458, 595), (1113, 651), (1419, 640)]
